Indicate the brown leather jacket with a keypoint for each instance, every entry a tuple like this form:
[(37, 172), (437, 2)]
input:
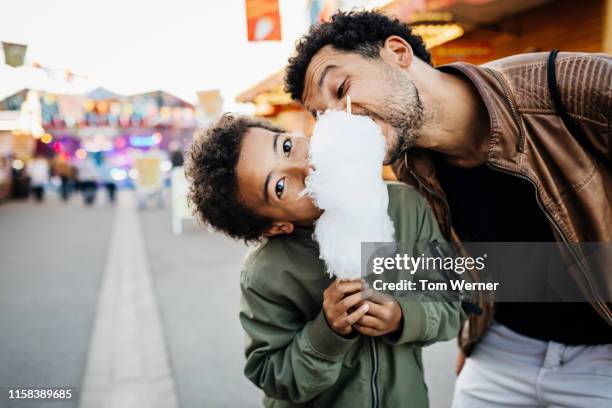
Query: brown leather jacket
[(572, 179)]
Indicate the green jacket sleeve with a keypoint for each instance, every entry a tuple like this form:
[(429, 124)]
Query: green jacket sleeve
[(288, 358), (427, 320)]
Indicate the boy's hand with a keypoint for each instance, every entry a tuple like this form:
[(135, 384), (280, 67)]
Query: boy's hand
[(384, 317), (338, 301)]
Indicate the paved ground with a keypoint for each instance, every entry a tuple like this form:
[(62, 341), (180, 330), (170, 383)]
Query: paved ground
[(51, 261), (128, 364), (54, 260), (196, 281)]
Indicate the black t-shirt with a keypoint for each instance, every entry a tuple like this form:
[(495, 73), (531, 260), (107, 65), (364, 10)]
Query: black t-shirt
[(491, 206)]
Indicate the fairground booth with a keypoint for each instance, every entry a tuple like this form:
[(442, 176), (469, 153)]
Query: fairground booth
[(66, 128)]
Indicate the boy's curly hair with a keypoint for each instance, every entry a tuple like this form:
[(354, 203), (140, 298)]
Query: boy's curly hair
[(211, 171), (361, 32)]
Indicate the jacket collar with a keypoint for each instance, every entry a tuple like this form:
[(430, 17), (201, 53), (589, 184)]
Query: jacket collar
[(302, 233), (506, 134)]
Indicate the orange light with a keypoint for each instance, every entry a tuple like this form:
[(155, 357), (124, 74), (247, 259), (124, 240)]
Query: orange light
[(89, 105), (46, 138), (80, 153)]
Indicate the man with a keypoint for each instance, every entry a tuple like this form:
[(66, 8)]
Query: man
[(311, 341), (517, 150), (38, 170)]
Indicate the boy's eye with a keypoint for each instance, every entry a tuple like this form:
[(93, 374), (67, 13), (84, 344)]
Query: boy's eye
[(287, 147), (280, 187)]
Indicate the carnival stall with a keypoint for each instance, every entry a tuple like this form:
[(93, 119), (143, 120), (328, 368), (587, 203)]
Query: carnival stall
[(100, 124)]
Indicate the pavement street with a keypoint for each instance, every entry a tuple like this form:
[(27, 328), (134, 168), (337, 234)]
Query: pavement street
[(81, 287), (128, 364), (196, 278), (52, 257)]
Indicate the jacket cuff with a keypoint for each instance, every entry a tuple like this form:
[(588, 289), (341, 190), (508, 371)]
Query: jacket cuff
[(415, 324), (327, 342)]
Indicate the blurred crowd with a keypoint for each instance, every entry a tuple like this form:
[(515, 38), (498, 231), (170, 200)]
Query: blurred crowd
[(84, 176)]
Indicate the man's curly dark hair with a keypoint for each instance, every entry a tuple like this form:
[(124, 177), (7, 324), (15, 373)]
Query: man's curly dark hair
[(211, 171), (361, 32)]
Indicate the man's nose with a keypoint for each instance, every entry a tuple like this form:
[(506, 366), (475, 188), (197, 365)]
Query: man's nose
[(332, 104)]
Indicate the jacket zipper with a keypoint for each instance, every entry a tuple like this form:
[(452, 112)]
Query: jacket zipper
[(561, 234), (374, 386), (518, 121)]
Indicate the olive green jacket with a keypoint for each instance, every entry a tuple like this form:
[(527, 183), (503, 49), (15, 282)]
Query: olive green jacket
[(294, 356)]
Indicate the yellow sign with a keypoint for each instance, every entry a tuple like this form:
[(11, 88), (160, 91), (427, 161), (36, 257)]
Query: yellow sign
[(149, 172), (23, 145)]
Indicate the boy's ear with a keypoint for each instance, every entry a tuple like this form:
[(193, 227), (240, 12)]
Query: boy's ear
[(278, 228), (398, 50)]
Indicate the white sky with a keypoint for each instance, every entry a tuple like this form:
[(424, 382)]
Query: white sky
[(130, 46)]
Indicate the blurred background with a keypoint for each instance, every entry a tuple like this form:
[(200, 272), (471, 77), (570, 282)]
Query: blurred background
[(107, 285)]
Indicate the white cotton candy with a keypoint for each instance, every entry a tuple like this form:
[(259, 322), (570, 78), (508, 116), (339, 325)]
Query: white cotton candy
[(346, 152)]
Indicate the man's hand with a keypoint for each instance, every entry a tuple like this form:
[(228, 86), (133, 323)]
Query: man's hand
[(460, 362), (384, 316), (338, 301)]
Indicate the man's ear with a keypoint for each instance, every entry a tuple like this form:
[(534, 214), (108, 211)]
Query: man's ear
[(278, 228), (398, 51)]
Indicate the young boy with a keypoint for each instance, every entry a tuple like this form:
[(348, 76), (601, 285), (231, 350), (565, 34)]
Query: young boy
[(311, 340)]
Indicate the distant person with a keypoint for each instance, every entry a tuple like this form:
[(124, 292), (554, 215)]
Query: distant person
[(149, 182), (38, 171), (87, 180), (63, 169), (105, 178), (176, 154)]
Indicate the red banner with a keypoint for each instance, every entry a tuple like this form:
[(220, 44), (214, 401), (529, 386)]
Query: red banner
[(263, 20)]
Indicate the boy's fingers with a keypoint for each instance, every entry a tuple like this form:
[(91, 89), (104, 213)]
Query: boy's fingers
[(378, 310), (372, 322), (347, 287), (339, 288), (345, 304), (368, 331), (357, 314), (380, 298)]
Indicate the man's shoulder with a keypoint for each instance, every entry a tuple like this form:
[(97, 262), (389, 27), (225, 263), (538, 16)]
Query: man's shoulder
[(580, 77), (514, 63)]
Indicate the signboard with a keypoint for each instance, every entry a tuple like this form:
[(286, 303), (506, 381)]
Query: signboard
[(149, 172), (23, 145), (211, 102), (14, 54), (475, 52), (71, 108), (404, 9), (263, 20)]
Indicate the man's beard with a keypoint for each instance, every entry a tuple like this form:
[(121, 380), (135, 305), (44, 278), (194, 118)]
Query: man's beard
[(402, 109)]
